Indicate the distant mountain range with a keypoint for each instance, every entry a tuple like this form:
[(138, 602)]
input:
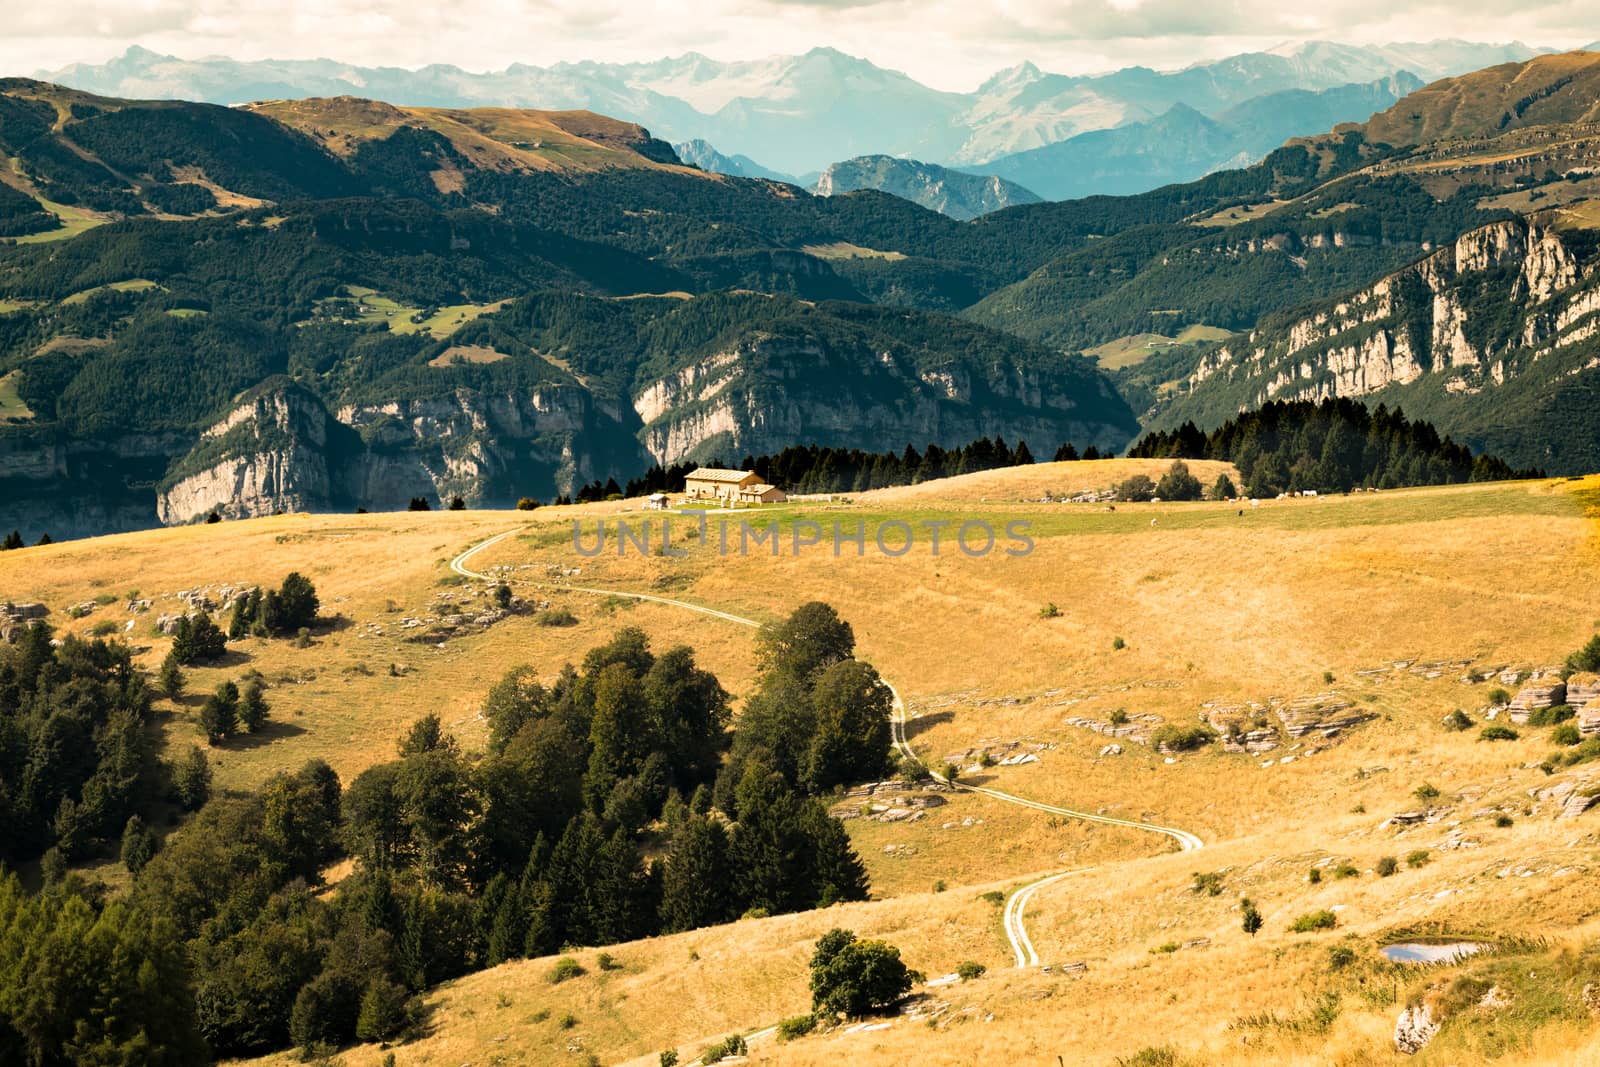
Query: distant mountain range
[(798, 114), (1183, 144), (702, 154)]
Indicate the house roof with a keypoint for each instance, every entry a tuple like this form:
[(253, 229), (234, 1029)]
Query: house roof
[(718, 474)]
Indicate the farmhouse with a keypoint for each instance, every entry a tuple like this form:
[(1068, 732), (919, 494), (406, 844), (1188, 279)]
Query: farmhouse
[(714, 484)]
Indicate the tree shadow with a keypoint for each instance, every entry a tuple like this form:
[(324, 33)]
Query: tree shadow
[(331, 624), (233, 657), (271, 730), (914, 727)]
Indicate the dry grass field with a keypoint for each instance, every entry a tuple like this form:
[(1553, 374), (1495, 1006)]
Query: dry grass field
[(1385, 602)]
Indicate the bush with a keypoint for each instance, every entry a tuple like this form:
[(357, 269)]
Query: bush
[(732, 1045), (1418, 857), (1314, 876), (1209, 883), (1586, 658), (556, 617), (1497, 732), (1341, 956), (1249, 916), (1346, 870), (669, 1058), (1557, 713), (912, 769), (1314, 920), (1502, 820), (857, 977), (1457, 721), (1049, 611), (1118, 644), (967, 970), (1223, 488), (526, 503), (566, 968), (606, 962), (796, 1026), (1118, 717), (1565, 734), (1499, 695), (1180, 738), (952, 773), (1426, 791), (1137, 489), (1386, 866)]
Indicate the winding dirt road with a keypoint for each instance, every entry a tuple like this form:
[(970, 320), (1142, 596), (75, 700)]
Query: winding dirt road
[(1016, 905)]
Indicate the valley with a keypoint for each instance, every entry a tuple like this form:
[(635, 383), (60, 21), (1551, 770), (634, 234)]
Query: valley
[(1213, 609)]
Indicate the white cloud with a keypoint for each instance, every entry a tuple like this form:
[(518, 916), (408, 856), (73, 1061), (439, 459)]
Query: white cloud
[(948, 43)]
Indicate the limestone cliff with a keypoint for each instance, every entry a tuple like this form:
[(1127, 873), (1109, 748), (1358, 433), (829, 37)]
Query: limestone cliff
[(766, 393), (1492, 337)]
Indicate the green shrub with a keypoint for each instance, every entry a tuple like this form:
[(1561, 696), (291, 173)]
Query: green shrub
[(606, 962), (1049, 611), (1586, 658), (1457, 721), (1119, 717), (1341, 956), (1386, 866), (1167, 947), (1497, 732), (1502, 820), (796, 1026), (1499, 696), (912, 769), (1314, 920), (1177, 737), (103, 628), (1418, 858), (1207, 882), (1118, 644), (1314, 875), (1346, 870), (967, 970), (1426, 791), (565, 968), (669, 1058), (1327, 677), (732, 1045), (1565, 734), (556, 617), (1556, 713), (567, 1021), (993, 896)]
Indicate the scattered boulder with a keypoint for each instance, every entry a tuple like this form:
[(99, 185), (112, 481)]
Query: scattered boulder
[(1545, 691), (1324, 713), (1112, 749), (1414, 1029), (1583, 692), (14, 618), (1579, 801)]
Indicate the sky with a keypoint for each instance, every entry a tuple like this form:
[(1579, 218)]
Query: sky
[(949, 44)]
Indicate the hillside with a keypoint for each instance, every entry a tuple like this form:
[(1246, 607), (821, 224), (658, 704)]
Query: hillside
[(1337, 633), (954, 193)]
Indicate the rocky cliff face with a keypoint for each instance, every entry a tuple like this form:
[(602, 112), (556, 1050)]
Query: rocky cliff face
[(767, 393), (281, 450), (950, 192), (1507, 313)]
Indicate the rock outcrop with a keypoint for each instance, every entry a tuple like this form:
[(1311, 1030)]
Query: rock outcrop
[(1433, 336), (1414, 1029), (1545, 691)]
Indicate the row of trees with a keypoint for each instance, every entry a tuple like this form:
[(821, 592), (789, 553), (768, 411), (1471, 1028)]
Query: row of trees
[(816, 469), (1332, 446), (464, 861)]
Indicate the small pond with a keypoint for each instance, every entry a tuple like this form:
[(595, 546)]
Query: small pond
[(1431, 952)]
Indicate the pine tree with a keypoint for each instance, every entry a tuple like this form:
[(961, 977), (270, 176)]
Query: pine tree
[(13, 540), (170, 678), (191, 780), (219, 716), (697, 880), (1250, 917), (138, 845), (253, 707)]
